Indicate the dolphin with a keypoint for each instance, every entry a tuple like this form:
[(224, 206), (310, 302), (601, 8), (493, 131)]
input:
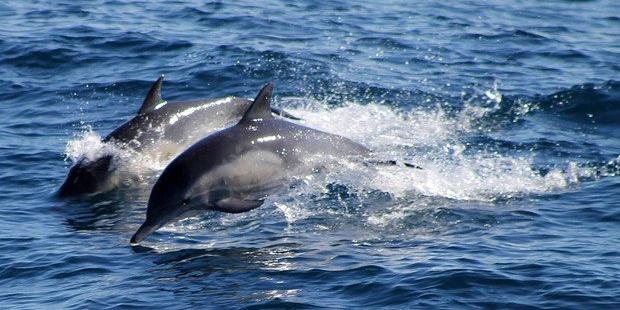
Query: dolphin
[(160, 127), (234, 169)]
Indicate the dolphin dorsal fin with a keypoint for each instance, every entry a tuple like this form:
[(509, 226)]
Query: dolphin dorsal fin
[(261, 107), (153, 98)]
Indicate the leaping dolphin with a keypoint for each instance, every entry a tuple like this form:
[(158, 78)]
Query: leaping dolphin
[(166, 128), (234, 169)]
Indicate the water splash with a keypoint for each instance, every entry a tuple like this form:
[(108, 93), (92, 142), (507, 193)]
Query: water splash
[(431, 139), (89, 145), (437, 142)]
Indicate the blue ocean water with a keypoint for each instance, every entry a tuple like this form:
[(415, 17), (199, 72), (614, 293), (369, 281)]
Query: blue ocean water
[(512, 109)]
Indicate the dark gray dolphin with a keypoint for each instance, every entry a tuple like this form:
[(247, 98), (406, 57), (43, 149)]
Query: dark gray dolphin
[(234, 169), (159, 127)]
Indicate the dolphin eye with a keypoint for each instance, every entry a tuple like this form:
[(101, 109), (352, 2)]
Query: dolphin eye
[(185, 201)]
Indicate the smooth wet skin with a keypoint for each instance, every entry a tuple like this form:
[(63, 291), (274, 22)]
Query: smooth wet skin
[(234, 169), (160, 128)]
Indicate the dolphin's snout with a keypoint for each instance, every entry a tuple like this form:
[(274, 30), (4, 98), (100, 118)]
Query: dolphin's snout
[(144, 231), (66, 189), (88, 177)]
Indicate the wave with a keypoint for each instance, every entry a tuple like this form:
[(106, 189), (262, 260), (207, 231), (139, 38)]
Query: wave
[(38, 59), (587, 102), (139, 43)]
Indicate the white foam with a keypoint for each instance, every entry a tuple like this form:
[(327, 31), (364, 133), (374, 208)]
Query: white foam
[(434, 141), (88, 145), (292, 211)]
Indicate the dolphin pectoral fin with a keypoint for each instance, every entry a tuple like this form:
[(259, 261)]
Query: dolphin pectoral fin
[(153, 98), (235, 205), (278, 111)]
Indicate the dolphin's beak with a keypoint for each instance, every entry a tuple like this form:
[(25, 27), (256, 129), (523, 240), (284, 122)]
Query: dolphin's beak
[(72, 185), (144, 231), (65, 188), (88, 177)]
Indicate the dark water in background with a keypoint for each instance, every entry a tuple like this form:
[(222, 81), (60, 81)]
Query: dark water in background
[(512, 109)]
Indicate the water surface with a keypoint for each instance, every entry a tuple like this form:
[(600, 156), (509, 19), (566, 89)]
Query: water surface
[(513, 110)]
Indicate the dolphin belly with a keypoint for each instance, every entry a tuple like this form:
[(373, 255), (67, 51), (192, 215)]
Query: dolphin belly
[(250, 176)]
